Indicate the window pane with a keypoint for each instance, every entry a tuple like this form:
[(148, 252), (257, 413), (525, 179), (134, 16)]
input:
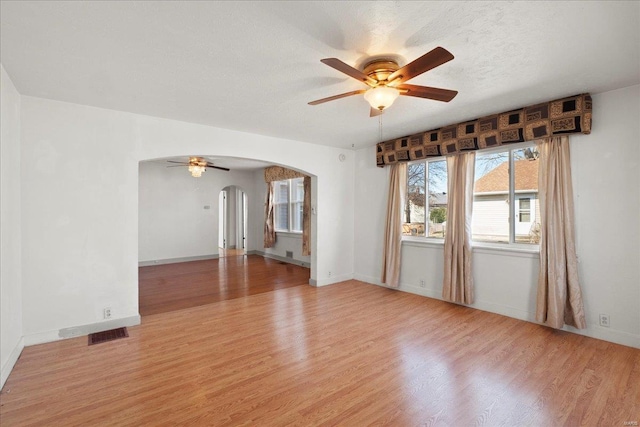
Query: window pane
[(281, 210), (490, 221), (296, 209), (297, 190), (414, 209), (282, 192), (282, 217), (437, 198), (527, 226)]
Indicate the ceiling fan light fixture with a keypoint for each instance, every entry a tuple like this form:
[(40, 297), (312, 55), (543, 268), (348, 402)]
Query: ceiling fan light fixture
[(381, 97), (197, 166), (196, 170)]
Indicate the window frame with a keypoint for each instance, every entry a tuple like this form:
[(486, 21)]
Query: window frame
[(427, 213), (523, 249), (290, 206), (522, 210), (511, 244)]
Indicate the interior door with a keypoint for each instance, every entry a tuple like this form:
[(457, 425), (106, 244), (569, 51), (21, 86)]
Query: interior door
[(222, 219)]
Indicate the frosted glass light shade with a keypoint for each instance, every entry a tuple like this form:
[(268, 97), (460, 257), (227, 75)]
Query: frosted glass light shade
[(196, 170), (381, 97)]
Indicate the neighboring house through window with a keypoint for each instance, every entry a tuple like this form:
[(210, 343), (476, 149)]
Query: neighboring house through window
[(495, 218)]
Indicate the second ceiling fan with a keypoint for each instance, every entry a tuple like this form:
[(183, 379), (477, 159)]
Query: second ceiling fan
[(386, 80)]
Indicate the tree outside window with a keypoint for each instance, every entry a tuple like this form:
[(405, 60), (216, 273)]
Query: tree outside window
[(426, 215)]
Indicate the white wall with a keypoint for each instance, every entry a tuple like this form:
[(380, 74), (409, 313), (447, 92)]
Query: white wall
[(11, 342), (284, 241), (173, 221), (80, 205), (606, 177)]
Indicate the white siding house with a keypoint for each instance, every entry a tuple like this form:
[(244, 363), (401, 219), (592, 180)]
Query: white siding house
[(491, 203)]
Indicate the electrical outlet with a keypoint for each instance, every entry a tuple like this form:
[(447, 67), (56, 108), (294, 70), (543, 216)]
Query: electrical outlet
[(423, 284), (329, 274), (604, 320), (106, 313)]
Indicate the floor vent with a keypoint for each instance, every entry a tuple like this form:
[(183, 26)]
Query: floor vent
[(104, 336)]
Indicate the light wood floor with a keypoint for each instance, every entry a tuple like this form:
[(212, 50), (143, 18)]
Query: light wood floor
[(170, 287), (349, 354), (230, 252)]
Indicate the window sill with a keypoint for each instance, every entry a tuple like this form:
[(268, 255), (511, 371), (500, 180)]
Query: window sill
[(293, 234), (528, 251), (421, 242)]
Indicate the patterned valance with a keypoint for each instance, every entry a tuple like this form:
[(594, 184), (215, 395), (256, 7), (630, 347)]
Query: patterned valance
[(278, 173), (562, 116)]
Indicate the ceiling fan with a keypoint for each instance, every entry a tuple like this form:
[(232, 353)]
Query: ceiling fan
[(197, 165), (386, 80)]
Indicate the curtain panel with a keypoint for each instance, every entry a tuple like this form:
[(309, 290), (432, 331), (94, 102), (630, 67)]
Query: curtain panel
[(457, 285), (269, 222), (393, 227), (559, 297), (562, 116), (306, 218)]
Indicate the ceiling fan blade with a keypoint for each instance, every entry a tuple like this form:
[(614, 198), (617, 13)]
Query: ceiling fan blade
[(217, 167), (342, 95), (181, 163), (426, 62), (349, 70), (374, 112), (444, 95), (176, 166)]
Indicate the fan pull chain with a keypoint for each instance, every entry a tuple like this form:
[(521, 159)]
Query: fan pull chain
[(380, 127)]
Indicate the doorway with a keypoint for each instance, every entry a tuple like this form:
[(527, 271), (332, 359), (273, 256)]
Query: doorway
[(232, 221)]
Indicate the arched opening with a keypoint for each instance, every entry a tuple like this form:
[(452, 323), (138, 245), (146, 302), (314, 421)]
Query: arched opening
[(188, 220)]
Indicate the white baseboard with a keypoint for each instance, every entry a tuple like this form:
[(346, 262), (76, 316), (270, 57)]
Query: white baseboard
[(78, 331), (176, 260), (11, 362), (280, 258), (334, 279), (593, 331)]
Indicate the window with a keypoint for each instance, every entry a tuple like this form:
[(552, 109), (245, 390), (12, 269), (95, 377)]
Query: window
[(500, 178), (289, 198), (524, 210), (425, 210), (505, 203)]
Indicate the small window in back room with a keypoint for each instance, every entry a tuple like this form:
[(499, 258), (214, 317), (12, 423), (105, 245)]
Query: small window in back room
[(289, 205)]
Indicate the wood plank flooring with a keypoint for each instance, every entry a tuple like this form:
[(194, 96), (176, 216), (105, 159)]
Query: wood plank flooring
[(349, 354), (171, 287)]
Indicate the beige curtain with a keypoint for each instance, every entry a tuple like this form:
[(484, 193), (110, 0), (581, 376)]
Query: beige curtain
[(269, 224), (393, 228), (457, 285), (559, 296), (306, 218)]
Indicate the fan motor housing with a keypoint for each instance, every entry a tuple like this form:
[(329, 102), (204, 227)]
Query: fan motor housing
[(380, 69)]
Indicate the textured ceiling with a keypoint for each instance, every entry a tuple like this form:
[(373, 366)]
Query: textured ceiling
[(253, 66)]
